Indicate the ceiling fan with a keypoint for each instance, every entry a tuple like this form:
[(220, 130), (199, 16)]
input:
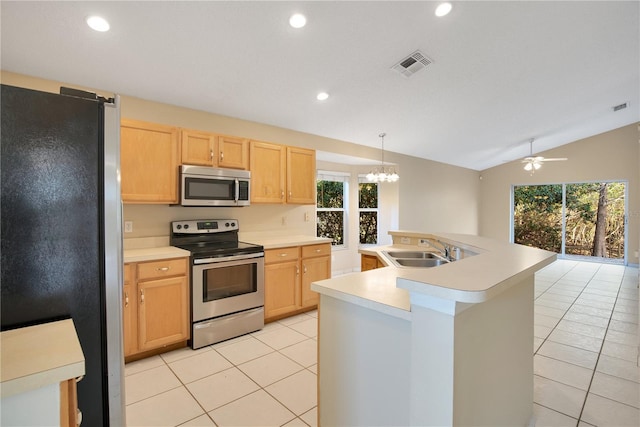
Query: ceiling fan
[(533, 163)]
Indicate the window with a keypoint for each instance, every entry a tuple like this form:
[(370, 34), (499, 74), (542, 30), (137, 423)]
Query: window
[(368, 211), (331, 211), (579, 219)]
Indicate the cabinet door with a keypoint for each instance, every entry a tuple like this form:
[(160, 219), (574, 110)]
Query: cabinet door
[(267, 164), (198, 148), (129, 311), (368, 262), (148, 162), (163, 310), (282, 288), (313, 269), (301, 176), (233, 152)]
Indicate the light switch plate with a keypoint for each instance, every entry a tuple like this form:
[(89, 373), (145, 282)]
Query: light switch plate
[(128, 226)]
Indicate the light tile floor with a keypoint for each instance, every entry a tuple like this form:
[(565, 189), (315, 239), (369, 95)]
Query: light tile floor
[(585, 363), (585, 359)]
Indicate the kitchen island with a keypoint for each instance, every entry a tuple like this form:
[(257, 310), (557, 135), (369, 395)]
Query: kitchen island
[(445, 345)]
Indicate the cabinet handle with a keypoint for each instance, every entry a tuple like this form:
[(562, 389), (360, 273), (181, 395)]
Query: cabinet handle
[(318, 250), (297, 270), (282, 194), (211, 154), (304, 269), (163, 268), (141, 296), (289, 194), (126, 299), (284, 254), (221, 156)]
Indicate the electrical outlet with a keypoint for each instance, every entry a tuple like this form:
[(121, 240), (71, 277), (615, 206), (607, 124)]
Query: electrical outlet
[(306, 217), (284, 220), (405, 240), (128, 226)]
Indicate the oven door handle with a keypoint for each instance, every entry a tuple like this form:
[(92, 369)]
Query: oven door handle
[(228, 258)]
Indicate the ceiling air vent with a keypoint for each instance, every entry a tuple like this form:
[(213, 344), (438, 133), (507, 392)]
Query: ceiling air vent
[(412, 64), (620, 107)]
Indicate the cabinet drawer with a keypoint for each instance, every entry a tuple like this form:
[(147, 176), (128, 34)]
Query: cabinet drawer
[(281, 255), (163, 268), (316, 250), (128, 274)]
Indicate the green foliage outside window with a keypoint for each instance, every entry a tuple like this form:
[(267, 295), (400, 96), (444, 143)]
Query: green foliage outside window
[(368, 218), (593, 218), (330, 210)]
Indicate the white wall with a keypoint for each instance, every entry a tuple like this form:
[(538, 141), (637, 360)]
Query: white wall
[(610, 156), (430, 196)]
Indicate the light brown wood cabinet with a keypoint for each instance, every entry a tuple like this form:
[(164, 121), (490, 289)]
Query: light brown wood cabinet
[(288, 274), (149, 159), (316, 265), (156, 305), (281, 174), (69, 403), (369, 262), (209, 149)]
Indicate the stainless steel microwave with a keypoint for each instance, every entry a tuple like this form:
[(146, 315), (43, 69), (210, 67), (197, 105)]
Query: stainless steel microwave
[(207, 186)]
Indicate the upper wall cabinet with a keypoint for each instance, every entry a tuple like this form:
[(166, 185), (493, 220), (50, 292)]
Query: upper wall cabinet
[(208, 149), (281, 174), (149, 159), (301, 176)]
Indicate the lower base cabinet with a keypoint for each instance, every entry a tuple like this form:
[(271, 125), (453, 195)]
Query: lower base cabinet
[(288, 274), (156, 305), (369, 262)]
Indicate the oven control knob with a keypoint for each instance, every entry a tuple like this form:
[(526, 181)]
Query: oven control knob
[(186, 226), (226, 224), (233, 224), (178, 226)]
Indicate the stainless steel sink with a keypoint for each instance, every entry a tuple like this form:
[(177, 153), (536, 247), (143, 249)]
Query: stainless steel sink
[(418, 262), (415, 259), (411, 254)]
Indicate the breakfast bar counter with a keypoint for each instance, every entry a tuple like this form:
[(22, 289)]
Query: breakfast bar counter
[(444, 345)]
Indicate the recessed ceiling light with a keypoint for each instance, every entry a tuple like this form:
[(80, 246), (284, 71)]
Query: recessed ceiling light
[(322, 96), (298, 20), (443, 9), (98, 23)]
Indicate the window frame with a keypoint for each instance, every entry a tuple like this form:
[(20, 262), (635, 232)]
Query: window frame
[(344, 177), (362, 179)]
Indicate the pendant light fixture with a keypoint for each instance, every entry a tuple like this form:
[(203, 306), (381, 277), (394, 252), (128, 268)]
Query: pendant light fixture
[(383, 173)]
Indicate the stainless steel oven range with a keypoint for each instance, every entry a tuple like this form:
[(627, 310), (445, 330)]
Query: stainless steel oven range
[(227, 280)]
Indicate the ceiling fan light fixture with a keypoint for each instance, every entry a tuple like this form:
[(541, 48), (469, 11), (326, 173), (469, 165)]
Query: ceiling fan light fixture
[(383, 173)]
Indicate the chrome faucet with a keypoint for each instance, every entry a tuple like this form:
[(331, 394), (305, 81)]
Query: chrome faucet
[(446, 249)]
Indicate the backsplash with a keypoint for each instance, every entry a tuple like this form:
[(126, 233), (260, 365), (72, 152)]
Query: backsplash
[(153, 220)]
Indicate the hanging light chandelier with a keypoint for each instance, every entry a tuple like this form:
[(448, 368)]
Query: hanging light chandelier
[(383, 173)]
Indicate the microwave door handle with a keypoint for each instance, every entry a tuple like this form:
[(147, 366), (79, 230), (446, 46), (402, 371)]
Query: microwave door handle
[(237, 192)]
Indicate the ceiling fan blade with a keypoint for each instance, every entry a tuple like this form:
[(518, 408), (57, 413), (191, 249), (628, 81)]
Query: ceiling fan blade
[(557, 159)]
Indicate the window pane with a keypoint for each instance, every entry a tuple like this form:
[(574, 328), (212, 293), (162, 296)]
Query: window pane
[(331, 224), (330, 194), (537, 216), (368, 228), (368, 192), (595, 220)]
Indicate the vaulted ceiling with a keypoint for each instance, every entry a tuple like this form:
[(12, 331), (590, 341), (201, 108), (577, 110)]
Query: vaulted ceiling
[(501, 72)]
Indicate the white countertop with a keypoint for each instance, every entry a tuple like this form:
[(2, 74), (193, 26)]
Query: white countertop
[(475, 279), (151, 254), (156, 248), (273, 242), (40, 355)]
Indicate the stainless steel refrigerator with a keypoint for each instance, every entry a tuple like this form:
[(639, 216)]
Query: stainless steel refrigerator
[(61, 233)]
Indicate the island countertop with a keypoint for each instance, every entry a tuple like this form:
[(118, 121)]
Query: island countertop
[(494, 268)]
